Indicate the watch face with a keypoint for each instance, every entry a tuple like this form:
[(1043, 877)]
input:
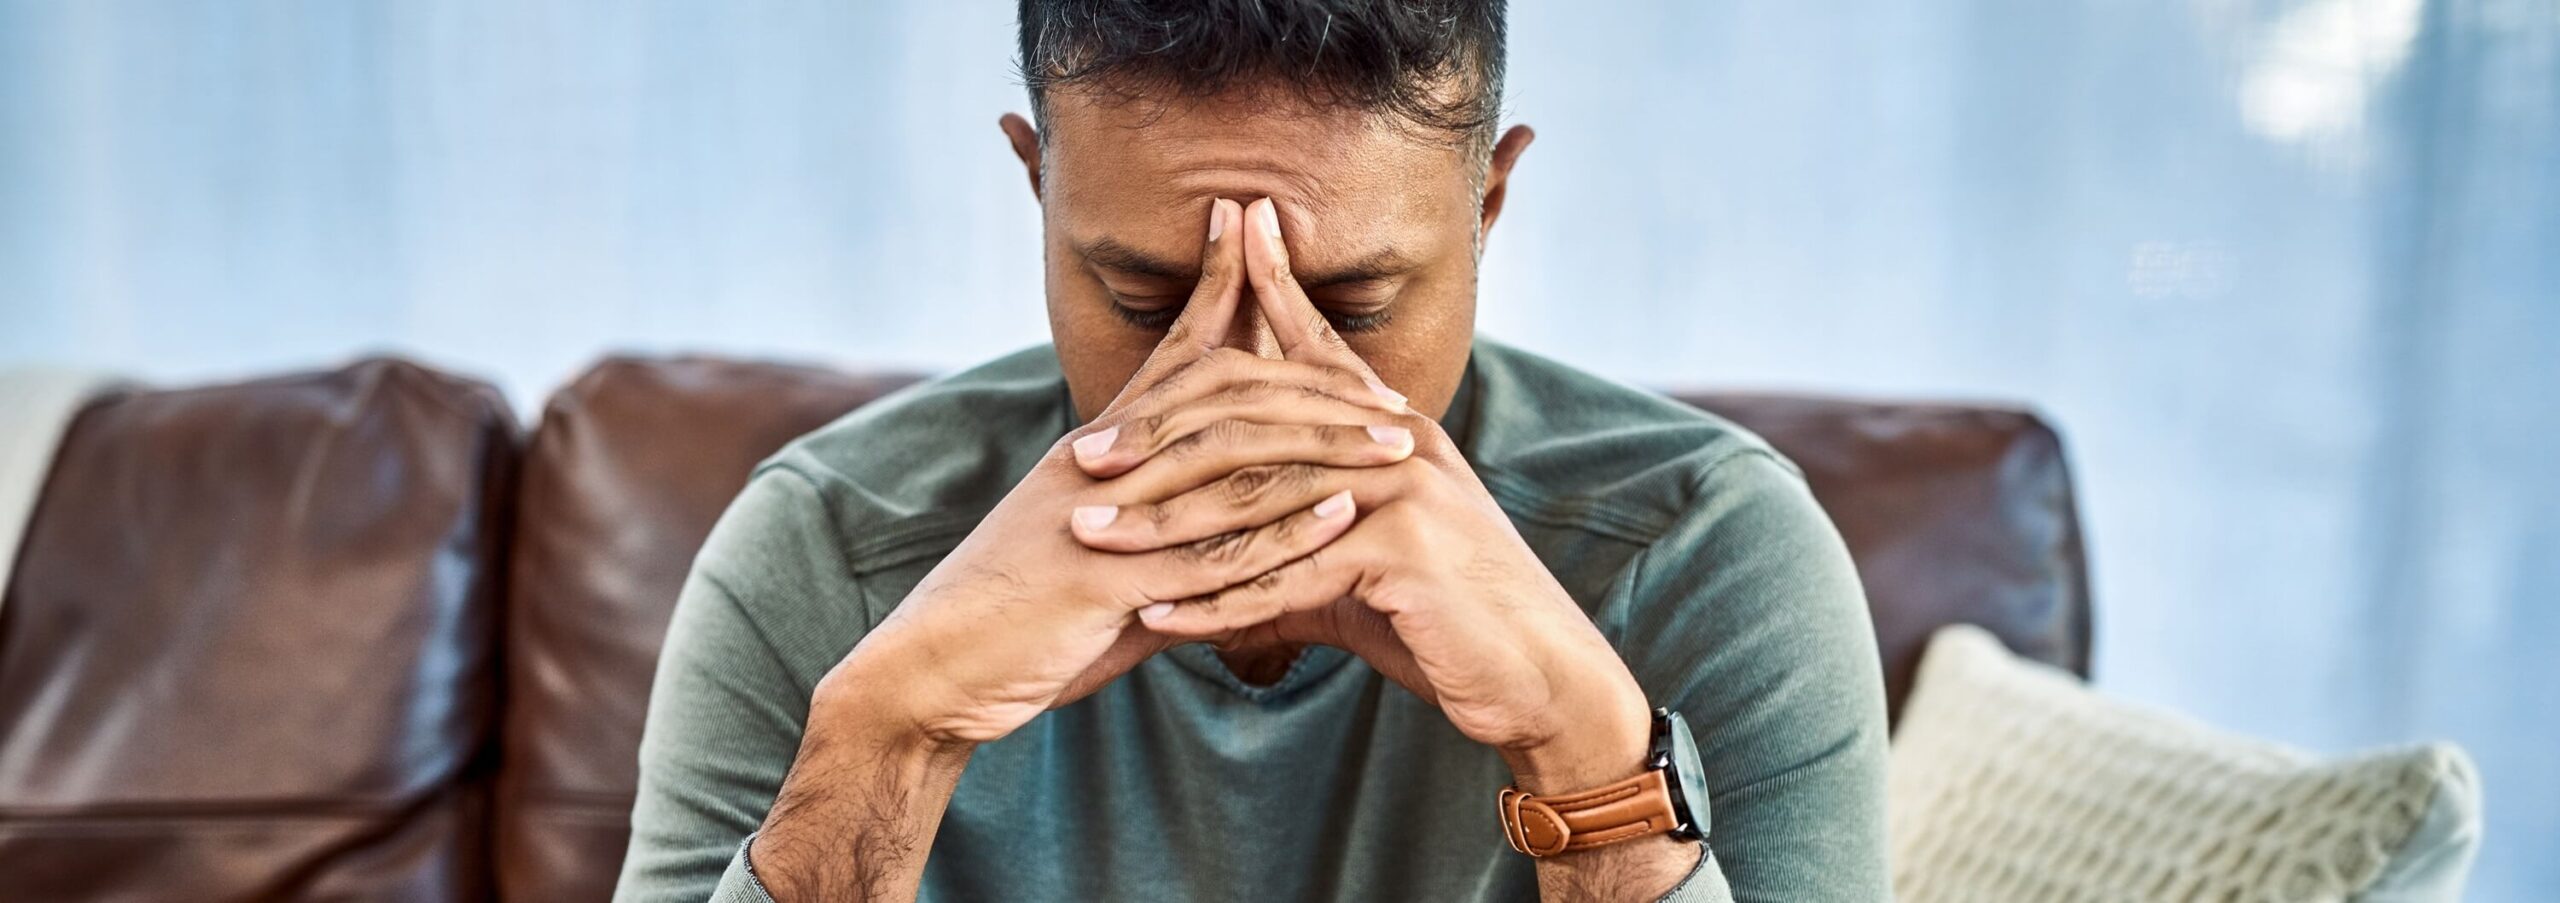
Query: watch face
[(1688, 776)]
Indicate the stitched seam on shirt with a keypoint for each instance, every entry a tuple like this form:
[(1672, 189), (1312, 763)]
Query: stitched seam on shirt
[(1598, 514), (918, 546), (891, 544), (896, 543), (1698, 484), (1586, 513)]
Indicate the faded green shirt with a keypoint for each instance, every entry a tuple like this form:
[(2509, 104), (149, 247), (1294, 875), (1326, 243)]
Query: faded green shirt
[(1694, 547)]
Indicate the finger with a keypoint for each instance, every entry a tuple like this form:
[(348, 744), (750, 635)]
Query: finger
[(1208, 565), (1226, 446), (1208, 316), (1312, 581), (1147, 428), (1303, 331), (1223, 366), (1239, 500)]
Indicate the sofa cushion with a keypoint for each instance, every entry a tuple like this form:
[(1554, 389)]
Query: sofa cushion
[(248, 649), (2013, 781), (622, 480)]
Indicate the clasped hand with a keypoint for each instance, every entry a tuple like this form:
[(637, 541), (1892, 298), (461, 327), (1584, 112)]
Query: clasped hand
[(1232, 498)]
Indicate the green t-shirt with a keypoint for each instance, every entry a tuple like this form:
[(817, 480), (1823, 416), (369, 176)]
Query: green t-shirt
[(1695, 548)]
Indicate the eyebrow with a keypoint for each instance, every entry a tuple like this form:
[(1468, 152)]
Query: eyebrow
[(1376, 265)]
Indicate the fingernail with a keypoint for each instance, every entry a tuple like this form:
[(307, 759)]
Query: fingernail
[(1095, 446), (1271, 225), (1334, 505), (1391, 435), (1393, 398), (1217, 221), (1156, 612), (1096, 517)]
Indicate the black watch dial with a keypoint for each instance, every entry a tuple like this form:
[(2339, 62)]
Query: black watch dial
[(1678, 753)]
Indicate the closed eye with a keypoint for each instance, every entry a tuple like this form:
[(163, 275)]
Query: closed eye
[(1155, 319), (1157, 313)]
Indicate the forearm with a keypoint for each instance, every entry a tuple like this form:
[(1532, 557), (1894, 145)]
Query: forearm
[(1637, 870), (857, 814)]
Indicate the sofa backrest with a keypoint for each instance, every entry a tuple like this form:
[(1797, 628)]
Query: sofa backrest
[(248, 652), (1955, 514), (622, 480), (255, 643)]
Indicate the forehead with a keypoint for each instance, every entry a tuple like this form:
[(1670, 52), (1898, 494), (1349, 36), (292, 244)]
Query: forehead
[(1341, 177)]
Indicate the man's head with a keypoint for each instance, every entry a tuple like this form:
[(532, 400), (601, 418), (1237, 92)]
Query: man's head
[(1369, 123)]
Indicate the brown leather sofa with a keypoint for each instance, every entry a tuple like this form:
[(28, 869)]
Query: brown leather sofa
[(354, 635)]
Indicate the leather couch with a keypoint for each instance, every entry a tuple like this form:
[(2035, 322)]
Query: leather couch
[(358, 635)]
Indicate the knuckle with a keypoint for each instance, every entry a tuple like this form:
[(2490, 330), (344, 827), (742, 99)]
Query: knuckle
[(1182, 449), (1226, 432), (1248, 391), (1224, 548), (1248, 484), (1219, 553), (1299, 477), (1253, 484), (1152, 426), (1223, 365), (1271, 580), (1178, 375), (1284, 532)]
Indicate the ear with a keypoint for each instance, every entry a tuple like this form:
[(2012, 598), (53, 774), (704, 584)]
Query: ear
[(1026, 145), (1497, 174)]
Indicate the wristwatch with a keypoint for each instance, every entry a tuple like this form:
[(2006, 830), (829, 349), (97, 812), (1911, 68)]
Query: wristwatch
[(1670, 797)]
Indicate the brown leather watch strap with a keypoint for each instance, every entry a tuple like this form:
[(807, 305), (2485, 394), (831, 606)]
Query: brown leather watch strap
[(1547, 825)]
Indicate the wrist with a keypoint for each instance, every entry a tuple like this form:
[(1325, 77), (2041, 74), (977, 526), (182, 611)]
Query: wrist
[(1603, 742), (852, 706), (866, 788)]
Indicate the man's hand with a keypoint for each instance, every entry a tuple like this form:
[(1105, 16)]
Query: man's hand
[(1020, 619), (1433, 587)]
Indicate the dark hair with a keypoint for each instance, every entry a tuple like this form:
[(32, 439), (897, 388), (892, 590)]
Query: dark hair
[(1392, 56)]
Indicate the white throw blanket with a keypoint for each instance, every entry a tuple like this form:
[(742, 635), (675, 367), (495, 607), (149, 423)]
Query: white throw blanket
[(36, 406)]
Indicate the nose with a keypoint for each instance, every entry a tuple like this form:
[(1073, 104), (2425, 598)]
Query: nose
[(1248, 331)]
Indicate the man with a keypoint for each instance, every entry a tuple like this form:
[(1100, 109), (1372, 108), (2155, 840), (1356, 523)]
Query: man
[(1270, 581)]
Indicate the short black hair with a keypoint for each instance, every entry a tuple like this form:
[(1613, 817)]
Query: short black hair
[(1398, 57)]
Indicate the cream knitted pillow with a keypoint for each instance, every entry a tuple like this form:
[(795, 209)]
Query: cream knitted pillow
[(2013, 781)]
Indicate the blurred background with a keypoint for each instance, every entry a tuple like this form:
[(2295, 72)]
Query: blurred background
[(2285, 273)]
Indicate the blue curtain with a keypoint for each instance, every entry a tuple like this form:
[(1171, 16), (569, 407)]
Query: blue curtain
[(2287, 274)]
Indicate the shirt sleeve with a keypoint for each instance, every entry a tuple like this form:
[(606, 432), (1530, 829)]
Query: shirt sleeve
[(1748, 618), (761, 615)]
